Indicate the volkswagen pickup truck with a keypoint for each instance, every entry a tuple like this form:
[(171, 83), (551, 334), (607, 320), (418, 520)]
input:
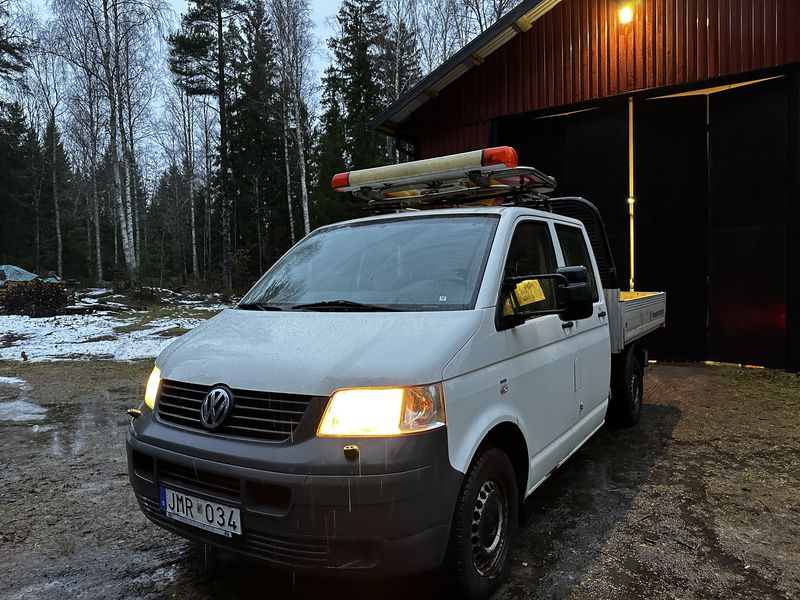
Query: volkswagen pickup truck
[(388, 394)]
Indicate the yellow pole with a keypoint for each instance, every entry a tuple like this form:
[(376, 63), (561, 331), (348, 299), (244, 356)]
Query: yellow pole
[(631, 200)]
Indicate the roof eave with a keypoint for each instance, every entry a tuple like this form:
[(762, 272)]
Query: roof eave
[(517, 20)]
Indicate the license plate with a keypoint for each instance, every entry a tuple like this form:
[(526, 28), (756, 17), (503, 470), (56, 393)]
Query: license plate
[(211, 516)]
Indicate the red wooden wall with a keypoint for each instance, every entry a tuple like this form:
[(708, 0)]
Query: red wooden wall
[(579, 51)]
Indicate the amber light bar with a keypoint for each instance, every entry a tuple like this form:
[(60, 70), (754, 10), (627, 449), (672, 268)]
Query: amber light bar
[(442, 167)]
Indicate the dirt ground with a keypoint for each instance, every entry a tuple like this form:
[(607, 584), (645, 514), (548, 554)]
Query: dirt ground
[(700, 500)]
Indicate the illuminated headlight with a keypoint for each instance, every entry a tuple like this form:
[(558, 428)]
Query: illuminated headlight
[(151, 391), (371, 412)]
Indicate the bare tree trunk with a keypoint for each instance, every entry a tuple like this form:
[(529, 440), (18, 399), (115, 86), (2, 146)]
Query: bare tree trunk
[(288, 172), (97, 247), (192, 224), (188, 128), (93, 143), (37, 237), (128, 220), (56, 208), (227, 265), (88, 216), (207, 190), (301, 155), (116, 239), (111, 89)]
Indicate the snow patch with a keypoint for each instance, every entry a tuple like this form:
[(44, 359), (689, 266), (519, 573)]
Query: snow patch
[(20, 410), (16, 382), (41, 428), (87, 336)]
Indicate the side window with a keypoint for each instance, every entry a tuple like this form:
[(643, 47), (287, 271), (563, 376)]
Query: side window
[(573, 247), (530, 254)]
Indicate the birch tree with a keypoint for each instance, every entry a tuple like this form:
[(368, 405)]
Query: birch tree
[(86, 109), (47, 80), (178, 142), (295, 44), (483, 13)]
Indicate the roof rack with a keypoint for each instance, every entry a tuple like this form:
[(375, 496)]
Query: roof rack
[(488, 177)]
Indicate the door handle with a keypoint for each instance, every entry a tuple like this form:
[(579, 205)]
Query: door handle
[(567, 325), (601, 314)]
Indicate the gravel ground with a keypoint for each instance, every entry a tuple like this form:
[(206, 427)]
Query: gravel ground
[(700, 500)]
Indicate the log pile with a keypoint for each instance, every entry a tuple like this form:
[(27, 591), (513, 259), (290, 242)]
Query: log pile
[(34, 298)]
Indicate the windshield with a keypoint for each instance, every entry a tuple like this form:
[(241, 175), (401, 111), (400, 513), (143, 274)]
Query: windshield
[(408, 263)]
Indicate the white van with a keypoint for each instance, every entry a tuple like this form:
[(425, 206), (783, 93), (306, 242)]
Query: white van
[(384, 399)]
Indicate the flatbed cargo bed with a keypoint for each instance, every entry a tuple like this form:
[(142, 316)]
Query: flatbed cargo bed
[(632, 315)]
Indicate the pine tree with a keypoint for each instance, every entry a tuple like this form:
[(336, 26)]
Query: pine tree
[(198, 57), (256, 149), (12, 48), (357, 52), (330, 153), (15, 198)]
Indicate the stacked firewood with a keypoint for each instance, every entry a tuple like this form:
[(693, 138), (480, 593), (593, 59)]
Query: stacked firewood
[(34, 298)]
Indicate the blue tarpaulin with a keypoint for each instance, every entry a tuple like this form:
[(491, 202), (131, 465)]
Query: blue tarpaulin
[(12, 273)]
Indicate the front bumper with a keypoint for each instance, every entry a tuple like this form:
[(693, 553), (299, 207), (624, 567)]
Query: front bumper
[(388, 513)]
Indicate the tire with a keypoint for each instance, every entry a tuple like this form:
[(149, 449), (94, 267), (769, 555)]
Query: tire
[(484, 527), (627, 393)]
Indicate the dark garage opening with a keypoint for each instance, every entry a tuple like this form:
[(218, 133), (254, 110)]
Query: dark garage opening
[(712, 189)]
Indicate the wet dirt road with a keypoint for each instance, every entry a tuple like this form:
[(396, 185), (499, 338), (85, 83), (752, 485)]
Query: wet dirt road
[(701, 500)]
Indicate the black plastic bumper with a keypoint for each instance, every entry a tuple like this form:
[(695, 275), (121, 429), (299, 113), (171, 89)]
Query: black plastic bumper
[(386, 513)]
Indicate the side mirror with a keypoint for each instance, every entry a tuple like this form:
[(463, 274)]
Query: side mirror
[(565, 293), (576, 295)]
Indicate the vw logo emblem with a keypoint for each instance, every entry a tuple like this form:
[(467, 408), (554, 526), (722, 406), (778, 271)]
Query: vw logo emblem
[(215, 408)]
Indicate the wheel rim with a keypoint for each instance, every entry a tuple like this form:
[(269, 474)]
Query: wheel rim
[(489, 529)]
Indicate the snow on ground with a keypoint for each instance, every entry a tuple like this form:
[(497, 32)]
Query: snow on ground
[(118, 337), (20, 410), (16, 382)]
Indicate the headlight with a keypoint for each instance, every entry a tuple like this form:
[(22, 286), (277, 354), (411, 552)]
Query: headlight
[(151, 391), (370, 412)]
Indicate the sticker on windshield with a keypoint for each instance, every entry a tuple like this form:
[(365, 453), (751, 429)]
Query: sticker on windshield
[(442, 298)]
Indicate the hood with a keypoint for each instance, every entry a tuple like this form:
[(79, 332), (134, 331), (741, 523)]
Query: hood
[(315, 353)]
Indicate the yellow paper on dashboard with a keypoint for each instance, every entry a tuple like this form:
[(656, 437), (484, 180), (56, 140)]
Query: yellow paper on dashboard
[(527, 292)]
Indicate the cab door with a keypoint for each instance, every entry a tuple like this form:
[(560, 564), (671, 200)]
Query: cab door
[(592, 369), (541, 354)]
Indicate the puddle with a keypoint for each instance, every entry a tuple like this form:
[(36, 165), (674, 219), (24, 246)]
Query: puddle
[(21, 411)]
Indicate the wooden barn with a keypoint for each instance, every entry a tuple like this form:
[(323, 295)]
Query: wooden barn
[(680, 119)]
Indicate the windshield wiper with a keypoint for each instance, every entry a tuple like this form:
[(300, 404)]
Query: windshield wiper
[(342, 305), (257, 306)]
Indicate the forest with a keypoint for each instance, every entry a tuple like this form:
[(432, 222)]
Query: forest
[(143, 147)]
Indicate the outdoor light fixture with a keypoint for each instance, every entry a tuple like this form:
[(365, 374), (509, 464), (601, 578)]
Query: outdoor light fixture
[(626, 14)]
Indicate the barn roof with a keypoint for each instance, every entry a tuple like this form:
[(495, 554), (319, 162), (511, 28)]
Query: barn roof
[(516, 21)]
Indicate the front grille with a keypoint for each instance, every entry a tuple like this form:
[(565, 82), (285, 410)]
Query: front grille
[(209, 482), (258, 415), (281, 550)]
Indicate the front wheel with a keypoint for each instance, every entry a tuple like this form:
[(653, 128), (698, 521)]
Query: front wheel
[(484, 526)]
